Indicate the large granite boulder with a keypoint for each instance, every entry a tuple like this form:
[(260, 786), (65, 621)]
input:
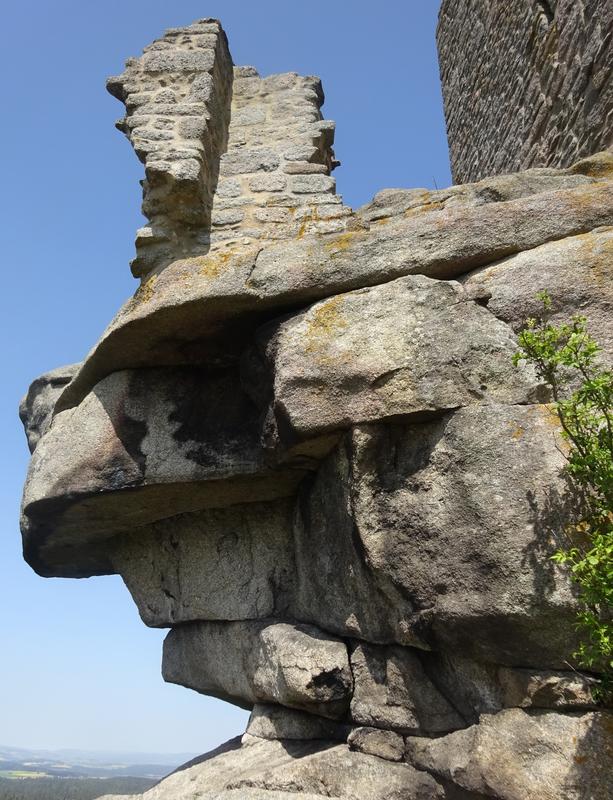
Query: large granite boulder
[(445, 530), (517, 755), (272, 662), (233, 563), (395, 350), (305, 448), (392, 691), (202, 308), (287, 770), (143, 446), (577, 273)]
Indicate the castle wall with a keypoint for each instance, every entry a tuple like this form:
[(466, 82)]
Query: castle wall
[(526, 83), (228, 155)]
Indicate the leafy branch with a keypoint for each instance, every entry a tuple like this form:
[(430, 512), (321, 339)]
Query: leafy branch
[(566, 358)]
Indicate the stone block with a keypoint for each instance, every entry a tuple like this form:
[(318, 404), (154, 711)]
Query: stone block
[(392, 692), (248, 662), (312, 184), (376, 742), (272, 182), (247, 160), (179, 61)]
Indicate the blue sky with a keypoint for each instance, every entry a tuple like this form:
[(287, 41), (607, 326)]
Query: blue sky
[(78, 668)]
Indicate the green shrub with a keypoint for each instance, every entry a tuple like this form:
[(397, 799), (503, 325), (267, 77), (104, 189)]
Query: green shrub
[(565, 357)]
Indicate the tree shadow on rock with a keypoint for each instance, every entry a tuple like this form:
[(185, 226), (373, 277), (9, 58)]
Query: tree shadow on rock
[(555, 516), (590, 776)]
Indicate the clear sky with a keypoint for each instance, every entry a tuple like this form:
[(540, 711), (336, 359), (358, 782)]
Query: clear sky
[(78, 668)]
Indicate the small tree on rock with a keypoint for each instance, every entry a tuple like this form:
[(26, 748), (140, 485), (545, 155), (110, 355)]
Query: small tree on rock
[(566, 359)]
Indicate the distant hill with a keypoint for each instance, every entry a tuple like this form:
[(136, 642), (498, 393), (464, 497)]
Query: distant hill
[(19, 763), (70, 788)]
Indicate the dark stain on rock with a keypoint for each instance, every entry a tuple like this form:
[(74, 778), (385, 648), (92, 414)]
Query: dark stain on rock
[(132, 433), (215, 416)]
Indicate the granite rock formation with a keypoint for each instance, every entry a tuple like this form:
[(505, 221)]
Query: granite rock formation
[(526, 83), (304, 447)]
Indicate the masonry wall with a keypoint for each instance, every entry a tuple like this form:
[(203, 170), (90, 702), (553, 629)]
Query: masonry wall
[(525, 82), (229, 156)]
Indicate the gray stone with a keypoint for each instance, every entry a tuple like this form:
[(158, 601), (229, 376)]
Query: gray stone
[(312, 184), (191, 128), (251, 160), (304, 168), (392, 692), (473, 555), (277, 722), (439, 242), (249, 116), (270, 770), (470, 559), (229, 216), (238, 201), (410, 347), (220, 564), (528, 688), (494, 189), (354, 601), (472, 686), (36, 408), (268, 662), (206, 25), (300, 153), (272, 214), (267, 183), (477, 688), (229, 187), (144, 445), (246, 72), (515, 755), (199, 61), (524, 83), (576, 271), (375, 742)]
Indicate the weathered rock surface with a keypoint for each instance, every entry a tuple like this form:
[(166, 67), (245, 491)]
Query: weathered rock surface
[(232, 563), (36, 408), (198, 308), (262, 770), (390, 351), (577, 272), (278, 722), (143, 446), (305, 448), (377, 742), (527, 688), (493, 189), (249, 662), (515, 755), (392, 691), (477, 688), (414, 519)]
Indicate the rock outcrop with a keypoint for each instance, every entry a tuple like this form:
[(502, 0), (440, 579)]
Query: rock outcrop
[(305, 448)]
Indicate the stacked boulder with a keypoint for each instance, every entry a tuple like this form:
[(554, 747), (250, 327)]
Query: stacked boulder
[(305, 448)]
